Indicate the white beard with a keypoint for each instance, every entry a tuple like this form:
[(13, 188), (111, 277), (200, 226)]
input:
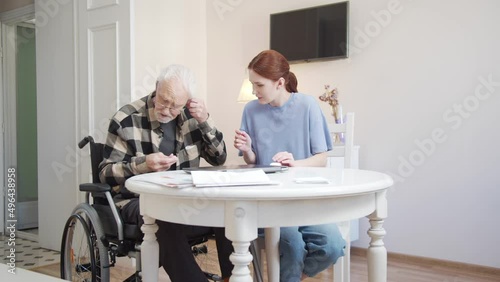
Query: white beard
[(163, 119)]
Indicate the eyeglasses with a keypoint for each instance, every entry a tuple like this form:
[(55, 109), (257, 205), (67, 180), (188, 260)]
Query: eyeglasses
[(161, 106)]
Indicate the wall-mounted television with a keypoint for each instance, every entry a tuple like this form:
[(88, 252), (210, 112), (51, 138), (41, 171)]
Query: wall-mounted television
[(316, 33)]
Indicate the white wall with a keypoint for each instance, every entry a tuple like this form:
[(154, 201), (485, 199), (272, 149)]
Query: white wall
[(407, 79), (169, 32), (56, 107)]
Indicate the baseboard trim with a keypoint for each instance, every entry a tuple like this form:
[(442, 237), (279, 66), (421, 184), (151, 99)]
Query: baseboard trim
[(27, 236), (424, 261)]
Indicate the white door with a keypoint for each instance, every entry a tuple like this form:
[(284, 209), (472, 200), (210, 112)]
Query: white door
[(105, 36), (84, 73)]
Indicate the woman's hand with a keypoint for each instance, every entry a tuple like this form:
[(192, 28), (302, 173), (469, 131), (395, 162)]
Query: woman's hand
[(284, 158), (242, 141)]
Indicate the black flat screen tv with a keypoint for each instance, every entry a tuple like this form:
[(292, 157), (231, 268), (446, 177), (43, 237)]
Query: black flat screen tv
[(317, 33)]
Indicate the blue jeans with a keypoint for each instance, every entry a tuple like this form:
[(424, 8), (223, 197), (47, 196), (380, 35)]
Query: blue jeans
[(308, 250)]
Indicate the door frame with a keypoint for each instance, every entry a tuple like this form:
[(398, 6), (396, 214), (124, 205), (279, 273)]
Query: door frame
[(2, 148), (8, 22)]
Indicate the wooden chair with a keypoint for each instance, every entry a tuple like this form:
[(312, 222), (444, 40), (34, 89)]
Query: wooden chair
[(341, 268)]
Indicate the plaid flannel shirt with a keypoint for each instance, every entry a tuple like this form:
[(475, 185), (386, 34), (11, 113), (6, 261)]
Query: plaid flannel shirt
[(134, 132)]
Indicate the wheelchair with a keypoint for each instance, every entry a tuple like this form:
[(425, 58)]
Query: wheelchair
[(95, 235)]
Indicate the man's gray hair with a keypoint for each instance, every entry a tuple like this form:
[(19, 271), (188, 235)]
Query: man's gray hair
[(183, 74)]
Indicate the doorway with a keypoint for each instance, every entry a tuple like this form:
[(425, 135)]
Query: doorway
[(20, 119), (26, 127)]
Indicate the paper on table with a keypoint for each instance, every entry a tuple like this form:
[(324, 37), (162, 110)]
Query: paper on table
[(312, 180), (230, 178), (178, 181)]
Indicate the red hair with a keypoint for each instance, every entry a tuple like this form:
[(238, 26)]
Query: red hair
[(273, 65)]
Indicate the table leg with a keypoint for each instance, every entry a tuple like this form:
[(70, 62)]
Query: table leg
[(272, 238), (377, 253), (150, 251), (241, 259), (241, 229)]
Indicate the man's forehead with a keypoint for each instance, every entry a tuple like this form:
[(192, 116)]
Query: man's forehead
[(172, 89)]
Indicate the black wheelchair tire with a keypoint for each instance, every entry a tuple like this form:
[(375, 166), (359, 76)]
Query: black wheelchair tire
[(85, 215)]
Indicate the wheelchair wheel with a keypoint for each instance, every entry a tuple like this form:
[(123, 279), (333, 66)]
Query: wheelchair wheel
[(83, 255)]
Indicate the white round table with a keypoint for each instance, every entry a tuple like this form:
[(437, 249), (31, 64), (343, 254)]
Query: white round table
[(350, 194)]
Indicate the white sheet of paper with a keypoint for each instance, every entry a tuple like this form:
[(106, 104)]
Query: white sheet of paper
[(311, 180), (172, 181), (230, 178)]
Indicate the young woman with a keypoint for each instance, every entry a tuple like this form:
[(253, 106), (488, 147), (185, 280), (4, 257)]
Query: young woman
[(288, 127)]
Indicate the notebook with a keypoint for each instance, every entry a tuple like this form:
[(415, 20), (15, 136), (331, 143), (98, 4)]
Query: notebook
[(265, 168)]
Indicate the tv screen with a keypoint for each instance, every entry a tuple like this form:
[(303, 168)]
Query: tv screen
[(316, 33)]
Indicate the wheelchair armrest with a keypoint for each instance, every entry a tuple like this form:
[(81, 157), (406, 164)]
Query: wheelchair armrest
[(95, 187)]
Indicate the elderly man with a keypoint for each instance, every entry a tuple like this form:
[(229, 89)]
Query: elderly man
[(166, 130)]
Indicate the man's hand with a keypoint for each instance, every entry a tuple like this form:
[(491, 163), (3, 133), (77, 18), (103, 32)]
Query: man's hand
[(197, 109), (242, 141), (160, 162)]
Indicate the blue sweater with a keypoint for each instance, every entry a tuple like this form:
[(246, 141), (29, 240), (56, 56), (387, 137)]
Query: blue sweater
[(298, 127)]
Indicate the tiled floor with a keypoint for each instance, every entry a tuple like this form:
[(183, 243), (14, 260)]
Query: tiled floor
[(28, 254)]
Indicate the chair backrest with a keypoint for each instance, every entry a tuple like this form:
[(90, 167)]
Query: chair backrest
[(342, 266), (347, 129), (96, 156)]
